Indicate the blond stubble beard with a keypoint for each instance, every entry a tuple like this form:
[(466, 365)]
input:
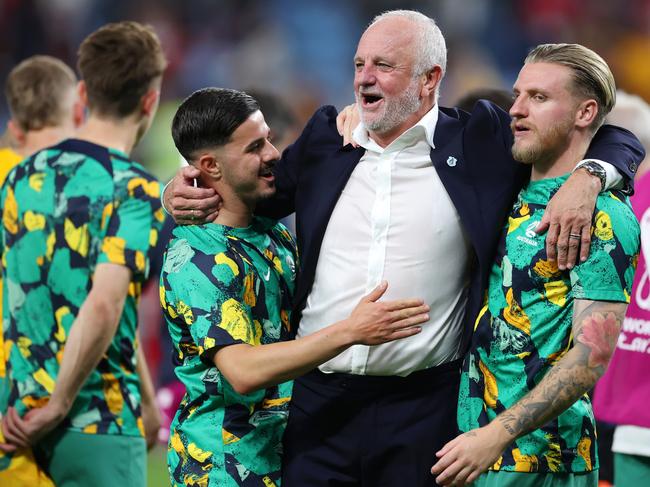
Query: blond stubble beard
[(549, 145)]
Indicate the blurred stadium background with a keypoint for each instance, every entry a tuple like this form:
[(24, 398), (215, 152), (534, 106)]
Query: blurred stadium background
[(302, 52)]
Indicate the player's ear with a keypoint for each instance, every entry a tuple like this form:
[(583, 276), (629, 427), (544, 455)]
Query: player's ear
[(586, 113), (209, 165), (17, 134), (82, 92), (150, 102)]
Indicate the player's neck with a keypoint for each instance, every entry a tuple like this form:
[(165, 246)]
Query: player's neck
[(115, 134), (36, 140), (562, 163), (234, 212)]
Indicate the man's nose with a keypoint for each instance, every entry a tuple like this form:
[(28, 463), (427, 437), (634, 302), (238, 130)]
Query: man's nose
[(518, 108), (365, 76), (271, 154)]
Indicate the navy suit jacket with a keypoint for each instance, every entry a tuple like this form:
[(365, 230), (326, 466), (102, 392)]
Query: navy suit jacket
[(472, 157)]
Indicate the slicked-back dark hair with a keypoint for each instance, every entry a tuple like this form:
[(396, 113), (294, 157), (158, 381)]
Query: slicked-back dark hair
[(208, 117)]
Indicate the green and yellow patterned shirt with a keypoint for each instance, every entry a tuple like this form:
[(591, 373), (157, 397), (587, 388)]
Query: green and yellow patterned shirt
[(65, 210), (525, 327), (222, 286)]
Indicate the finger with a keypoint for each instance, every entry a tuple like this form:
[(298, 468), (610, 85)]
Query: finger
[(473, 475), (562, 247), (189, 172), (418, 319), (211, 217), (448, 476), (462, 476), (447, 448), (191, 193), (193, 216), (349, 128), (340, 124), (191, 201), (403, 333), (9, 437), (346, 132), (376, 293), (19, 422), (585, 243), (406, 313), (544, 223), (444, 461), (7, 448), (401, 304), (551, 241), (575, 237), (11, 433)]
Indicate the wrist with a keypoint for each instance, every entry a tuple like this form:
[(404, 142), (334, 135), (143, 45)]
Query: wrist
[(596, 172), (343, 334), (501, 432), (57, 410)]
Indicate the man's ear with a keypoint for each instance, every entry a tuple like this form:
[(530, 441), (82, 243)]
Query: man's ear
[(150, 102), (586, 113), (431, 81), (210, 166), (17, 134), (83, 93), (78, 113)]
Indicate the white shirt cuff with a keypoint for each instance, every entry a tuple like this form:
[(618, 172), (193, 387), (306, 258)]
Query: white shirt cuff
[(162, 197), (614, 179)]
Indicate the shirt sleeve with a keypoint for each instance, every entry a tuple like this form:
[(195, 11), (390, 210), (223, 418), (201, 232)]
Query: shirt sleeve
[(209, 296), (608, 273), (132, 223)]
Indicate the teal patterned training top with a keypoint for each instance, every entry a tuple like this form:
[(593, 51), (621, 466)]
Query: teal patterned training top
[(222, 286), (65, 210), (525, 326)]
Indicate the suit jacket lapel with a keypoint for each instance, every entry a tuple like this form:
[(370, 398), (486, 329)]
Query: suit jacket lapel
[(456, 174)]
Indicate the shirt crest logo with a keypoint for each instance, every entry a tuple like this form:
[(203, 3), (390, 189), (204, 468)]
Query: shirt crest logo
[(531, 235), (530, 230), (451, 161)]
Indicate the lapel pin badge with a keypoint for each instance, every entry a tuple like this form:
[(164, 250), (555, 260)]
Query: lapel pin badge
[(451, 161)]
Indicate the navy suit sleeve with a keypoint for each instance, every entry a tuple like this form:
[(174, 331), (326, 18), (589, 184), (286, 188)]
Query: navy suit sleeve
[(620, 148), (286, 173)]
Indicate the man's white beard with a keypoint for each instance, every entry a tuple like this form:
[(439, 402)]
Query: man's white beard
[(396, 110)]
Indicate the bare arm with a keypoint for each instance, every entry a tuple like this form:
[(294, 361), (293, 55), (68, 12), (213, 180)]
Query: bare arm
[(249, 368), (151, 418), (89, 338), (596, 325)]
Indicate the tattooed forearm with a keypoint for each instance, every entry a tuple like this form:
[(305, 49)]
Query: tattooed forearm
[(595, 330)]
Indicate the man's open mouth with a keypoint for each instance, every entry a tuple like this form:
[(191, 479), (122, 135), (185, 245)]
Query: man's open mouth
[(267, 173), (519, 129), (369, 100)]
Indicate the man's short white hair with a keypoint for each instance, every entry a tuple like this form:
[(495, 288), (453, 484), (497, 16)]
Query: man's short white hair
[(431, 49)]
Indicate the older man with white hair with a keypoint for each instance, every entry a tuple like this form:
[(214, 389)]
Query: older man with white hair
[(419, 203)]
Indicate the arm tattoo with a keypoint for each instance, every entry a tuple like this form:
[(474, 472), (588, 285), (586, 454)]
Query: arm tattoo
[(595, 330)]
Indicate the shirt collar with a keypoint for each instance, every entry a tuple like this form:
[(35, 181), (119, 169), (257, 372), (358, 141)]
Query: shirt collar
[(427, 122)]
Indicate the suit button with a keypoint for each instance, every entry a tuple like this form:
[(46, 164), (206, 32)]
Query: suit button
[(633, 167)]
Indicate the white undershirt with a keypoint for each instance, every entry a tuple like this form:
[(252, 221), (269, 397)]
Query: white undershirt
[(394, 221)]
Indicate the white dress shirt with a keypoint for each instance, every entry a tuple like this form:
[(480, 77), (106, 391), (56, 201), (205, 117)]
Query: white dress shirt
[(393, 221)]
